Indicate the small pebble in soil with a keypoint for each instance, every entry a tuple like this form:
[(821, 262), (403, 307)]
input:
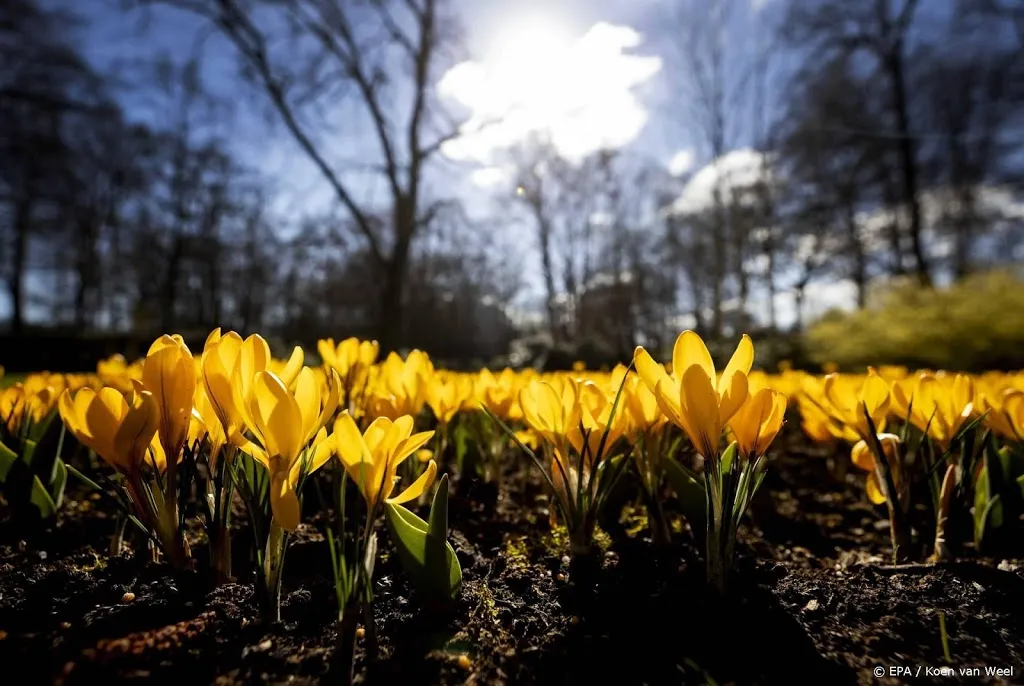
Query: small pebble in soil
[(465, 662), (360, 633), (65, 625), (812, 605), (128, 597)]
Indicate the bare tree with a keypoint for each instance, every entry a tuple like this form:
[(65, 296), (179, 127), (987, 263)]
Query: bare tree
[(708, 79), (45, 86), (878, 29), (386, 54)]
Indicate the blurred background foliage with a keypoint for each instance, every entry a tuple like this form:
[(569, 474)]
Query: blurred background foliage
[(973, 325)]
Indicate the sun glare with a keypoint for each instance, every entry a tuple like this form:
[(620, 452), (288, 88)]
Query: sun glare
[(540, 79), (528, 64)]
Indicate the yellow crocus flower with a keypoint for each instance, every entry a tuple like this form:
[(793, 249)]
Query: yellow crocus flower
[(693, 397), (851, 407), (169, 374), (499, 393), (551, 412), (1005, 413), (205, 423), (758, 421), (372, 458), (641, 407), (284, 423), (446, 396), (400, 386), (348, 356), (217, 364), (595, 417), (117, 429), (228, 367), (941, 407), (863, 457)]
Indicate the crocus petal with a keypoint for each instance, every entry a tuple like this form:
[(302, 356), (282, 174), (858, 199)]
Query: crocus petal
[(732, 396), (252, 449), (307, 396), (283, 502), (649, 371), (410, 445), (875, 494), (349, 442), (417, 487), (861, 456), (688, 351), (293, 367), (875, 395), (740, 363), (320, 452), (700, 406)]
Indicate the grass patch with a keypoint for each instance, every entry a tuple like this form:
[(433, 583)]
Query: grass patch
[(11, 379)]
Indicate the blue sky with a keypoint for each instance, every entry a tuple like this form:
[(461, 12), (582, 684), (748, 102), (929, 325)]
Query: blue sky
[(629, 51), (121, 42)]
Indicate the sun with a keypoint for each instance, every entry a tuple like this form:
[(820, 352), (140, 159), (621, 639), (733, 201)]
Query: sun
[(529, 60), (539, 79)]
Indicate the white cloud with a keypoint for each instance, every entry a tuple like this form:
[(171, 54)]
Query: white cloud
[(996, 204), (490, 177), (681, 162), (576, 93), (602, 219), (758, 5), (736, 169)]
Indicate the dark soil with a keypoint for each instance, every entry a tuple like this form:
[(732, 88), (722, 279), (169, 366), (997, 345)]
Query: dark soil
[(814, 601)]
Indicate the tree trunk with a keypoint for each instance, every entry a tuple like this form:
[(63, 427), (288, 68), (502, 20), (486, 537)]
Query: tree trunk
[(908, 164), (718, 266), (169, 299), (769, 249), (544, 237), (798, 304), (22, 228), (86, 268), (860, 262), (895, 235), (391, 325)]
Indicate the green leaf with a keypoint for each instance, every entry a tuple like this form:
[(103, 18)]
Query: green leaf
[(689, 488), (461, 437), (21, 486), (728, 457), (7, 458), (437, 525), (998, 491), (59, 481), (425, 553)]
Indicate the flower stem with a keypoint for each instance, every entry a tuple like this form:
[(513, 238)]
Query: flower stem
[(273, 565), (942, 551)]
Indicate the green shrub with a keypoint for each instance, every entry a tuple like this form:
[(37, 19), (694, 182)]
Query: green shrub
[(973, 325)]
